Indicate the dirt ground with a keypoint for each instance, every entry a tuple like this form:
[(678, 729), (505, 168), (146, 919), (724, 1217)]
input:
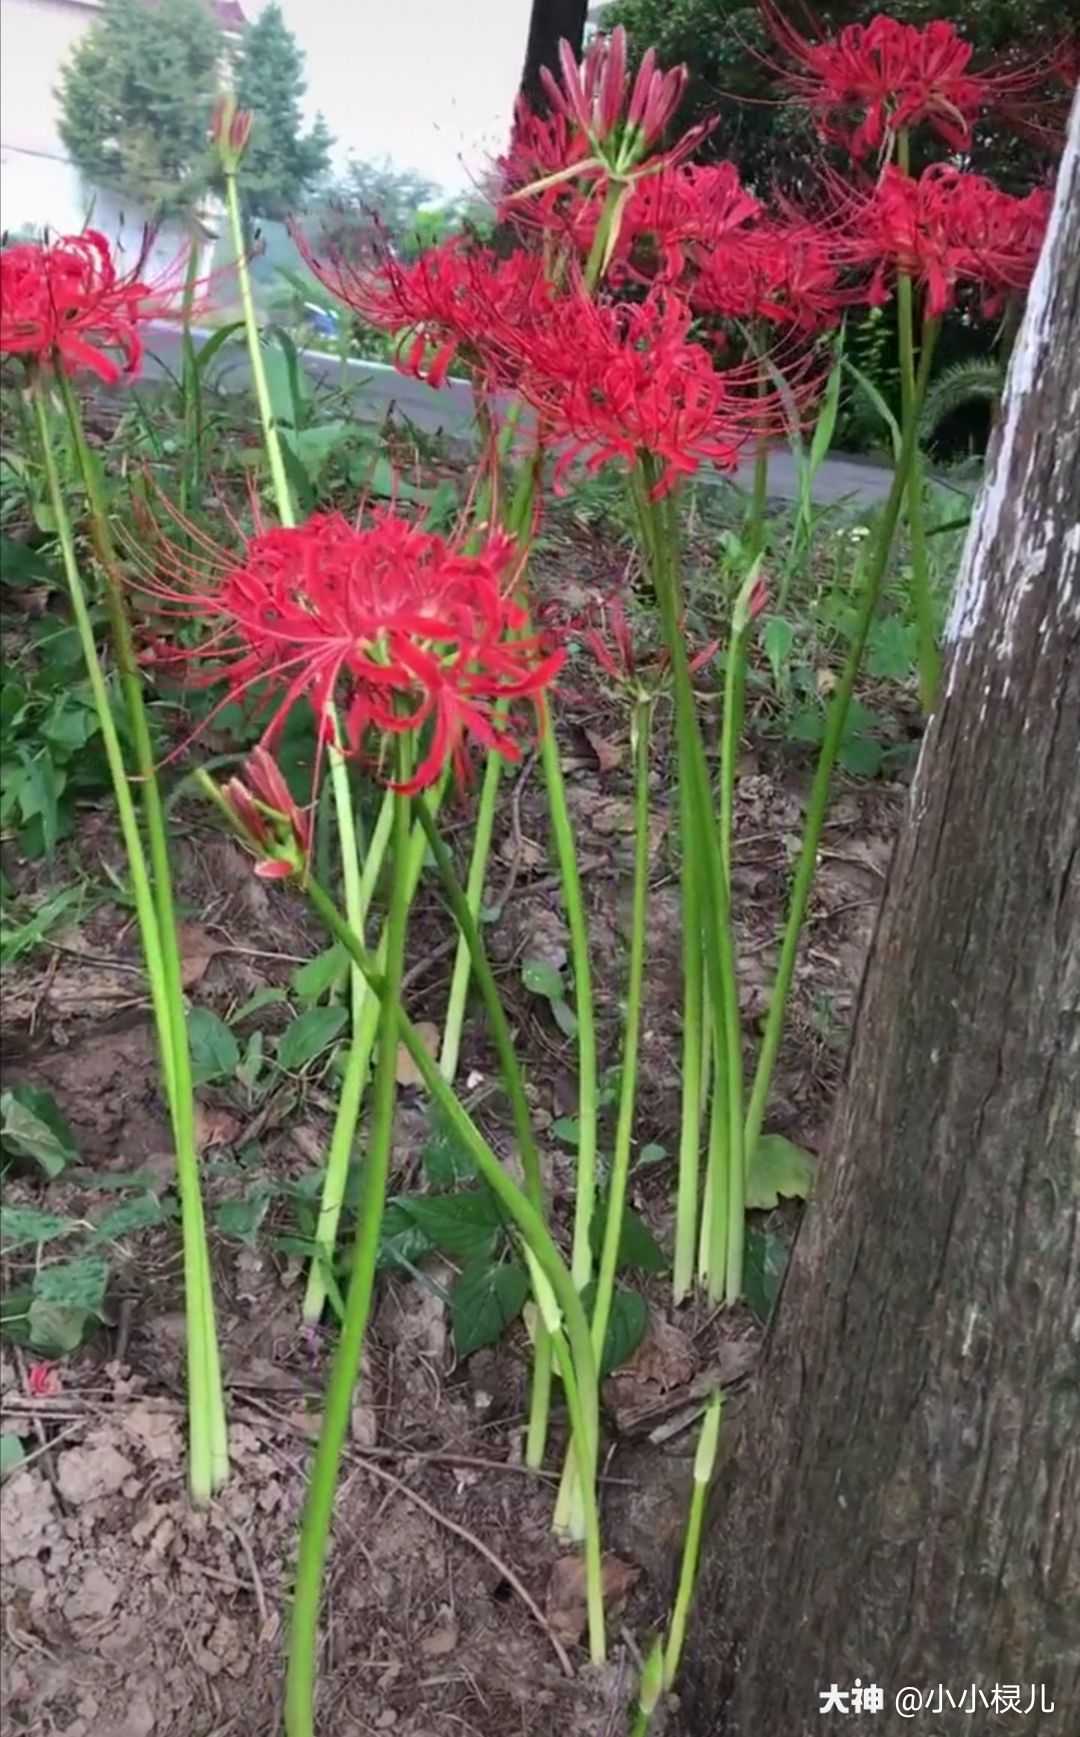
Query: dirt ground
[(451, 1611)]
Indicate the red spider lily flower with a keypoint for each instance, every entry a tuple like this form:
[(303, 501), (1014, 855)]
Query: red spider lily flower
[(621, 381), (263, 812), (667, 213), (789, 274), (871, 80), (443, 305), (945, 229), (66, 304), (387, 625), (606, 124), (618, 657)]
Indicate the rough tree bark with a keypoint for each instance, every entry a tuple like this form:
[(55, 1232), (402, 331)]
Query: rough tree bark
[(901, 1504), (550, 21)]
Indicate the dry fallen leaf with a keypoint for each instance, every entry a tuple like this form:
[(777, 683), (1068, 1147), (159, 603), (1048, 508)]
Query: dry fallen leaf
[(214, 1127), (565, 1605), (197, 948), (408, 1074), (609, 754)]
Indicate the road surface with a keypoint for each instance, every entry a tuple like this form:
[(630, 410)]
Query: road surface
[(450, 411)]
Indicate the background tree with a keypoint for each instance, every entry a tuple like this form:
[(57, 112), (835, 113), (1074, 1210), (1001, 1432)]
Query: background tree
[(902, 1500), (135, 100), (549, 21), (282, 163)]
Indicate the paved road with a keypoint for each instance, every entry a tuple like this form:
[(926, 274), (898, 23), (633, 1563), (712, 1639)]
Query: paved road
[(450, 411)]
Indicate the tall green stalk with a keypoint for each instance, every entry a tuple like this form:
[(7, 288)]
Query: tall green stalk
[(271, 438), (319, 1507), (358, 891), (834, 729), (361, 1049), (566, 857), (928, 654), (208, 1443), (624, 1127), (474, 891), (693, 1052), (514, 1083), (659, 533), (536, 1238)]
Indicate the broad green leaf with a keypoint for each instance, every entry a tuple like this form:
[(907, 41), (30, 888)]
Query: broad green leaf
[(265, 997), (328, 970), (32, 1126), (22, 565), (564, 1016), (68, 727), (215, 1053), (313, 446), (308, 1036), (651, 1153), (567, 1129), (54, 1327), (12, 1454), (892, 648), (446, 1160), (402, 1242), (39, 795), (777, 638), (249, 1069), (117, 1182), (626, 1328), (540, 978), (15, 1316), (25, 1224), (778, 1167), (241, 1218), (133, 1215), (484, 1301), (763, 1269), (78, 1284), (861, 755), (462, 1225), (637, 1245)]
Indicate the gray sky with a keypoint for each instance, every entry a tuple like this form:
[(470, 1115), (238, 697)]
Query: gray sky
[(428, 83)]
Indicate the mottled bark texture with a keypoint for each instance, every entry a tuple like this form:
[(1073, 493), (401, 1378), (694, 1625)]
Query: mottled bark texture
[(901, 1498), (551, 20)]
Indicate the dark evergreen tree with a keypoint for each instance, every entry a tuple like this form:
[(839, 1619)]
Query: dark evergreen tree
[(282, 162)]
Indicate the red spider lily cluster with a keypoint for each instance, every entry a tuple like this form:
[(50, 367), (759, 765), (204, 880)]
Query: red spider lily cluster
[(869, 81), (444, 303), (618, 380), (65, 304), (386, 626), (944, 229)]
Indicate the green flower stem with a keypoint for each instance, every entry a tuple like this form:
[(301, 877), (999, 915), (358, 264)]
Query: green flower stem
[(929, 655), (208, 1446), (624, 1128), (566, 856), (474, 892), (650, 1689), (282, 493), (604, 240), (704, 1465), (358, 1062), (533, 1230), (686, 1211), (519, 1104), (660, 536), (319, 1506), (358, 890), (834, 729), (720, 1244)]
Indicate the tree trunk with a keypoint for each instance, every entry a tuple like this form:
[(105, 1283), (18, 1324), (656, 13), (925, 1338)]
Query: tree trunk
[(551, 20), (902, 1497)]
